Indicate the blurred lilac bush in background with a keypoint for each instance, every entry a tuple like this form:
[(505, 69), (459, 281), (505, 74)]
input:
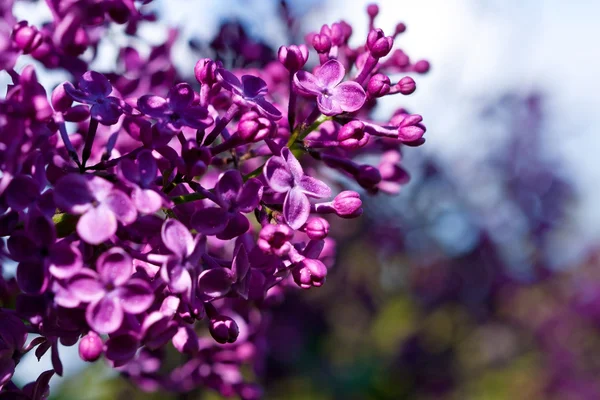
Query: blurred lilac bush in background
[(169, 184)]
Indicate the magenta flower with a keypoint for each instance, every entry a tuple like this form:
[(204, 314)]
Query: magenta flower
[(176, 111), (251, 91), (140, 174), (100, 205), (333, 96), (234, 197), (111, 291), (94, 89), (284, 174), (218, 282)]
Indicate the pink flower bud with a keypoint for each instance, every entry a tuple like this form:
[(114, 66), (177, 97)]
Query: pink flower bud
[(347, 204), (407, 85), (27, 38), (378, 44), (372, 10), (309, 272), (317, 228), (368, 176), (400, 28), (204, 70), (353, 135), (224, 329), (274, 239), (422, 66), (253, 127), (321, 43), (90, 347), (293, 57), (61, 101), (379, 85)]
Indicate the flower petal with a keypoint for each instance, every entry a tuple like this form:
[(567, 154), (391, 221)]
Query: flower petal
[(97, 225), (250, 195), (136, 296), (180, 96), (114, 266), (350, 96), (296, 208), (240, 264), (293, 164), (105, 315), (277, 174), (64, 260), (95, 84), (307, 83), (153, 106), (253, 86), (330, 74), (314, 188), (32, 277), (230, 81), (196, 117), (237, 225), (86, 287), (146, 201), (147, 168), (177, 276), (121, 205), (267, 109), (229, 185), (210, 220), (72, 194), (215, 282), (177, 238), (107, 112), (328, 105)]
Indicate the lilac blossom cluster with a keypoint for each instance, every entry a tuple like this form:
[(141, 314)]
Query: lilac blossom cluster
[(148, 214)]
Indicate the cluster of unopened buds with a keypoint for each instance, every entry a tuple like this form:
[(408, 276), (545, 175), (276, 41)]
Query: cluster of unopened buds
[(145, 211)]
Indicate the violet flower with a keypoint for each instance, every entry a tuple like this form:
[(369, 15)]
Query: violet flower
[(13, 335), (140, 174), (98, 202), (111, 291), (218, 282), (284, 174), (94, 89), (333, 96), (234, 197), (251, 91), (176, 111)]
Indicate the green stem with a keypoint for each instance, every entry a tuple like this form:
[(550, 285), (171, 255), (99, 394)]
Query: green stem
[(186, 198)]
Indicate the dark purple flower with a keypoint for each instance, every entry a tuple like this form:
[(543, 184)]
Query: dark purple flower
[(111, 291), (275, 239), (218, 282), (234, 198), (94, 89), (284, 174), (293, 57), (99, 204), (224, 329), (251, 91), (333, 96), (141, 174), (13, 335), (176, 111)]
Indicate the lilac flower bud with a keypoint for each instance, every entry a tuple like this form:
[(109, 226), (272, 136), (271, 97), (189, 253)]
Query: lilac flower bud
[(379, 85), (353, 135), (317, 228), (422, 66), (378, 44), (224, 329), (293, 57), (61, 100), (27, 38), (407, 85), (321, 43), (368, 176), (205, 71), (253, 127), (373, 10), (90, 347), (310, 272), (274, 239), (400, 28), (410, 127), (347, 204)]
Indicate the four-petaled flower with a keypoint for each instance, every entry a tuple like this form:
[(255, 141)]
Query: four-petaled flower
[(140, 174), (94, 89), (284, 174), (111, 291), (98, 202), (251, 91), (333, 96), (176, 111), (234, 197)]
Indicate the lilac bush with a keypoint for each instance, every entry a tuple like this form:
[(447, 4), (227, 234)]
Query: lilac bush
[(148, 214)]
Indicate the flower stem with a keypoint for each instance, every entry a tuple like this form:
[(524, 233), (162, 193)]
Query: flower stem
[(89, 142)]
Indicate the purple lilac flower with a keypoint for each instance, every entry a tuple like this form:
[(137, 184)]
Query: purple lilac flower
[(251, 91), (176, 111), (140, 174), (284, 174), (218, 282), (13, 334), (94, 89), (333, 96), (234, 197), (98, 202), (111, 291)]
